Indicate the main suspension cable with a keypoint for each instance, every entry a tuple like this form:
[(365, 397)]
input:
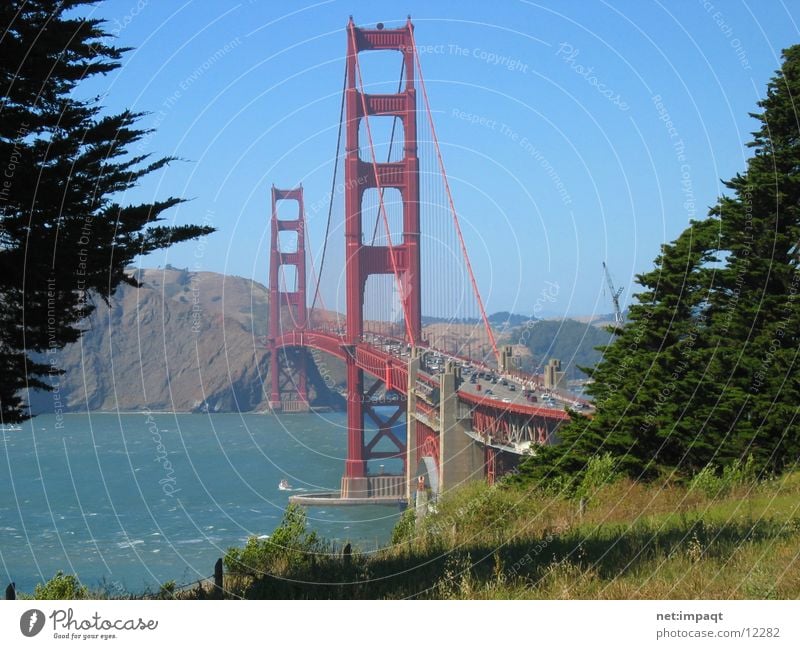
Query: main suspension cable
[(333, 190)]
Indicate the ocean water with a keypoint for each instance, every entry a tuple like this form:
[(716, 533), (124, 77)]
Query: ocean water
[(134, 500)]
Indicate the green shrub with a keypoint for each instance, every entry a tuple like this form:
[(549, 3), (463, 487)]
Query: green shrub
[(289, 547), (736, 474), (167, 590), (600, 470), (706, 481), (61, 586), (403, 530)]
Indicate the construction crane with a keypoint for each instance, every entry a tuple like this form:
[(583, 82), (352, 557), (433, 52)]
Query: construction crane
[(615, 293)]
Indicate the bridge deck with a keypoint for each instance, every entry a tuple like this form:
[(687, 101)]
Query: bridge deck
[(392, 370)]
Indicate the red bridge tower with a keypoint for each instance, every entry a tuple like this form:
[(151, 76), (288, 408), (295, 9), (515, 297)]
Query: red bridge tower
[(287, 366), (399, 258)]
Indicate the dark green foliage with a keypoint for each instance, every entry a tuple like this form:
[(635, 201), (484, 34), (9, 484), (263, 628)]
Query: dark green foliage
[(60, 587), (290, 546), (703, 373), (65, 239), (403, 531)]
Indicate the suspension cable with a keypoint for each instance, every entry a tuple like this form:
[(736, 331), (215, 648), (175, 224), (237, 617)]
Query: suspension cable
[(450, 201), (310, 255), (333, 190), (286, 290)]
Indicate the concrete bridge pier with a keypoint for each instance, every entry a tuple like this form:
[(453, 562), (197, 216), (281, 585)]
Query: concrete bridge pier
[(461, 459), (411, 426)]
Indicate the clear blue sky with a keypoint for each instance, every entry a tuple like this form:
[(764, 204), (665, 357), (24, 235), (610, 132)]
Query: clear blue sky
[(570, 163)]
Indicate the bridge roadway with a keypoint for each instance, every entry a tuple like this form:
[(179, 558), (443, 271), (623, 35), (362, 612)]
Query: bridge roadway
[(392, 370)]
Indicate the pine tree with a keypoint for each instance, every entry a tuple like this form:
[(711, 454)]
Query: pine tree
[(705, 371), (65, 239), (754, 309), (645, 376)]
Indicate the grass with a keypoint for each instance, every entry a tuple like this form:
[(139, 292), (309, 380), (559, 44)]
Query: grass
[(633, 541)]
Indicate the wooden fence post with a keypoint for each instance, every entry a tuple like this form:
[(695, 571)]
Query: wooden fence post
[(218, 579), (347, 555)]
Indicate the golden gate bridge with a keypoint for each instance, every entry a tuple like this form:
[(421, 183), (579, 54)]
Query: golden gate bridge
[(408, 400)]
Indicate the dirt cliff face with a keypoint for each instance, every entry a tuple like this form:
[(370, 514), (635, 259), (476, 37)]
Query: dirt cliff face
[(180, 342)]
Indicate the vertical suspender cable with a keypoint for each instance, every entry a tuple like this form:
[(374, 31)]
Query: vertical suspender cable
[(452, 204)]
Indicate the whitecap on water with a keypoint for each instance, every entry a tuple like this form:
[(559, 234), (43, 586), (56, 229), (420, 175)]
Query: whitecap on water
[(129, 544)]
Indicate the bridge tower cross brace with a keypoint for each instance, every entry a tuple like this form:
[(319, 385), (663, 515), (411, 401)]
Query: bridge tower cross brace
[(287, 367), (363, 260)]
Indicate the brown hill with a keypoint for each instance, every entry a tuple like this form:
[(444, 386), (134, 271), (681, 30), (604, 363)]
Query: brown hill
[(180, 342)]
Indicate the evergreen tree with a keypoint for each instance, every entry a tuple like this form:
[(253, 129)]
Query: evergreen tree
[(755, 332), (65, 239), (646, 375), (705, 369)]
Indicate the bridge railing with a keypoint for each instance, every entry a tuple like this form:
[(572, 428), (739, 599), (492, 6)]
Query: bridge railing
[(386, 486)]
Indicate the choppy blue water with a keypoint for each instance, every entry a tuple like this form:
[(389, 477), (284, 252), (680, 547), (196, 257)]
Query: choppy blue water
[(135, 499)]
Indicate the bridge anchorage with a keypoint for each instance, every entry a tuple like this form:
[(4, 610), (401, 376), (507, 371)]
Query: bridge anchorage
[(435, 428)]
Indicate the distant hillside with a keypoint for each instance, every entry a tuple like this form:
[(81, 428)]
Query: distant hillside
[(188, 340), (504, 319), (501, 320), (430, 320), (181, 341), (570, 341)]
